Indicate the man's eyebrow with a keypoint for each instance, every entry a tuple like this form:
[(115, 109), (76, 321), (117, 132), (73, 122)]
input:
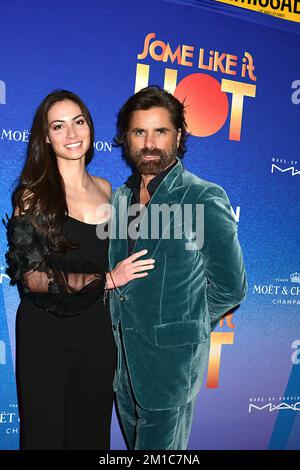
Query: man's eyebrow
[(137, 129), (156, 129)]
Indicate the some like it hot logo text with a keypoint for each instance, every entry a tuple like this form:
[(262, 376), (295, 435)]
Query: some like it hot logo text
[(209, 102)]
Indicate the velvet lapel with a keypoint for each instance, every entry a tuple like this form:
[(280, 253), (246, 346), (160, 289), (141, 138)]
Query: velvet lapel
[(170, 191), (118, 246)]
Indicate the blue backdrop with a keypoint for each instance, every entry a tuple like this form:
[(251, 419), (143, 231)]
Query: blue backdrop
[(240, 74)]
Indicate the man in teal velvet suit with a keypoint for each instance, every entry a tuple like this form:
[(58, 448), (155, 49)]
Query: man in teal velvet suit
[(162, 319)]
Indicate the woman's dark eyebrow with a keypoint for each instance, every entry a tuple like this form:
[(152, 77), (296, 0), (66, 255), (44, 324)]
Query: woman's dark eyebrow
[(61, 120)]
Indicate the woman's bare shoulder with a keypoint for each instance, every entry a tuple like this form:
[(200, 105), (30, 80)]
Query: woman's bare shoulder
[(103, 184)]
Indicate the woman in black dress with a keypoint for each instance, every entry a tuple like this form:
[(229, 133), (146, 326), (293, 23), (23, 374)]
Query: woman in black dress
[(65, 347)]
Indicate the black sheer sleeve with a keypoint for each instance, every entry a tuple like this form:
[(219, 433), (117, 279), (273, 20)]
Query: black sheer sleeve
[(61, 286), (27, 248)]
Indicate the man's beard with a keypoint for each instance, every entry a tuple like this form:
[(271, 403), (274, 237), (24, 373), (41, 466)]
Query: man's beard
[(153, 167)]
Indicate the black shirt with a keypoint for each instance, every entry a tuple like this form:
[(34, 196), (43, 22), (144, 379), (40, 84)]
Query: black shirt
[(64, 284), (134, 183)]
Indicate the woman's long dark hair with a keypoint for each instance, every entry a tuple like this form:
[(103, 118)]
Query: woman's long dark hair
[(41, 193)]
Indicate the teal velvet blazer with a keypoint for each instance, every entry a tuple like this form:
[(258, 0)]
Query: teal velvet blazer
[(166, 318)]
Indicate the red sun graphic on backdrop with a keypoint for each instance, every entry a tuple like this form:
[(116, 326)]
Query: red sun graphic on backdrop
[(206, 105)]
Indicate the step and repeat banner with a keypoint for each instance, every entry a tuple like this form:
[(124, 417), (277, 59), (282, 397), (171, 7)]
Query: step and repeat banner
[(240, 78)]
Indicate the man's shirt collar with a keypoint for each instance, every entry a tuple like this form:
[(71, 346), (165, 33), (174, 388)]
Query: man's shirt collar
[(134, 181)]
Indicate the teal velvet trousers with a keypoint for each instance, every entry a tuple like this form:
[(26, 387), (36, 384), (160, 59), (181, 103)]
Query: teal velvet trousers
[(149, 430)]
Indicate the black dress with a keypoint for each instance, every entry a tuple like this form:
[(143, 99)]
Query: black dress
[(65, 348)]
